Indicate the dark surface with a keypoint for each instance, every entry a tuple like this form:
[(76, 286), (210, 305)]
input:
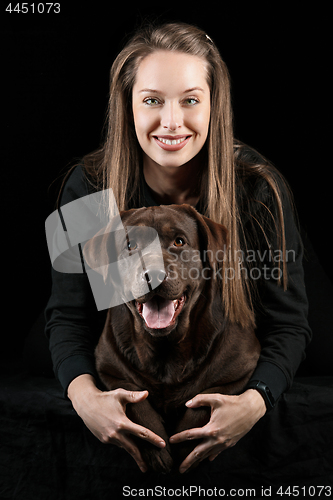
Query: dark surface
[(47, 452)]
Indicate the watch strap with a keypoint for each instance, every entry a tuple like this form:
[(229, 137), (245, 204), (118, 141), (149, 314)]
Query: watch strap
[(264, 391)]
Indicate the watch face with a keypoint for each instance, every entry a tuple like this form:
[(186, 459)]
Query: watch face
[(270, 397)]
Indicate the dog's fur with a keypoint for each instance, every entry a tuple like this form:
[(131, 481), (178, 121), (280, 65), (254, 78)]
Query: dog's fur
[(199, 352)]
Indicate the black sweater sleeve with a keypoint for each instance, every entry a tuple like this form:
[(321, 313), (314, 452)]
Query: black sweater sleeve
[(73, 324), (283, 329), (282, 325)]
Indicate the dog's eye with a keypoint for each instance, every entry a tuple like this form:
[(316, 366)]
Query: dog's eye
[(132, 245), (179, 242)]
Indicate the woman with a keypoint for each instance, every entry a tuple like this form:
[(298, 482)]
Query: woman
[(170, 140)]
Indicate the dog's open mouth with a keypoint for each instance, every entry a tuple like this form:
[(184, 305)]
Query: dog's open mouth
[(159, 312)]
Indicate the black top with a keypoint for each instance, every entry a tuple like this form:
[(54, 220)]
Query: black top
[(74, 325)]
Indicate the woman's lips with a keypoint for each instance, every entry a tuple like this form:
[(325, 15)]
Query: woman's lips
[(172, 143)]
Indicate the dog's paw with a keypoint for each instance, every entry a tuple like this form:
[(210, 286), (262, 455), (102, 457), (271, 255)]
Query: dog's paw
[(193, 418), (158, 460)]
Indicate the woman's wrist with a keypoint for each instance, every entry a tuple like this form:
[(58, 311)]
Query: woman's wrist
[(256, 401), (81, 388)]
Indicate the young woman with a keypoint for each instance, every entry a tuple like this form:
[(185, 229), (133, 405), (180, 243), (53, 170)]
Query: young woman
[(170, 140)]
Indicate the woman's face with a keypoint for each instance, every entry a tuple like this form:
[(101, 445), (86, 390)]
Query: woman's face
[(171, 107)]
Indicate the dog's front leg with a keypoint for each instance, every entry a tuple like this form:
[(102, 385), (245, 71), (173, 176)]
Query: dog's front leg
[(158, 459), (192, 418), (142, 413)]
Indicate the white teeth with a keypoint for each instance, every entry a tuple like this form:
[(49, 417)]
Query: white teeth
[(171, 143)]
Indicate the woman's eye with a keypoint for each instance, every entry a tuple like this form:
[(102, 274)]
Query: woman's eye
[(191, 101), (151, 101), (179, 242), (132, 245)]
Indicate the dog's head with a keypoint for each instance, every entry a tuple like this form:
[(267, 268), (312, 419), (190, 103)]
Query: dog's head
[(165, 258)]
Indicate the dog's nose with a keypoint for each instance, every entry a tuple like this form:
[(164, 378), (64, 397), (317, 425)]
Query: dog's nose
[(155, 277)]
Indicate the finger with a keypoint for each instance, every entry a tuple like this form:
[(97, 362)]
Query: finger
[(204, 400), (199, 453), (190, 434), (144, 433), (126, 397), (212, 457)]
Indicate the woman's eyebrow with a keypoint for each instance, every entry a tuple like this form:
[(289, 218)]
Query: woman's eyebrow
[(159, 92), (150, 90), (194, 88)]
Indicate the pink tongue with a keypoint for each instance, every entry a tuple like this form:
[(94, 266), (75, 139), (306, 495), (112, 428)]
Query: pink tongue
[(158, 312)]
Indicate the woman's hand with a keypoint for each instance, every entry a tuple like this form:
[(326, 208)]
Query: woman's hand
[(104, 415), (231, 418)]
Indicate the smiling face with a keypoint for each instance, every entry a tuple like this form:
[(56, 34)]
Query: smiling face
[(171, 107)]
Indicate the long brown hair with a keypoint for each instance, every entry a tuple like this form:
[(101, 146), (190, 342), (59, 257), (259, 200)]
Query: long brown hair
[(117, 164)]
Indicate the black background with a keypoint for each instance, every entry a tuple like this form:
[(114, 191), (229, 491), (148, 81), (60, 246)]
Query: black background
[(55, 76)]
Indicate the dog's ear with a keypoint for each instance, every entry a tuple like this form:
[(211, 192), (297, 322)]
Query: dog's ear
[(213, 236), (101, 249), (217, 233), (96, 250)]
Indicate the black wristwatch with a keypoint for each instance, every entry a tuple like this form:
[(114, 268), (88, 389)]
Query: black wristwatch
[(264, 391)]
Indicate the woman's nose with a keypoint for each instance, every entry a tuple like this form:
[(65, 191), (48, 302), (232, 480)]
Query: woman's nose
[(172, 116)]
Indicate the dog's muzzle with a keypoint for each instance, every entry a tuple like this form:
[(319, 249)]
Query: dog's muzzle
[(154, 277)]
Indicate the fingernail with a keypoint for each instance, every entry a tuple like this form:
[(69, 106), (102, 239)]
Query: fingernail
[(182, 470), (161, 444), (189, 403), (143, 469)]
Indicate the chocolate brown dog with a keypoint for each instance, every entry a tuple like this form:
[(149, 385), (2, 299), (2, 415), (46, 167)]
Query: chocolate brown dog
[(173, 339)]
